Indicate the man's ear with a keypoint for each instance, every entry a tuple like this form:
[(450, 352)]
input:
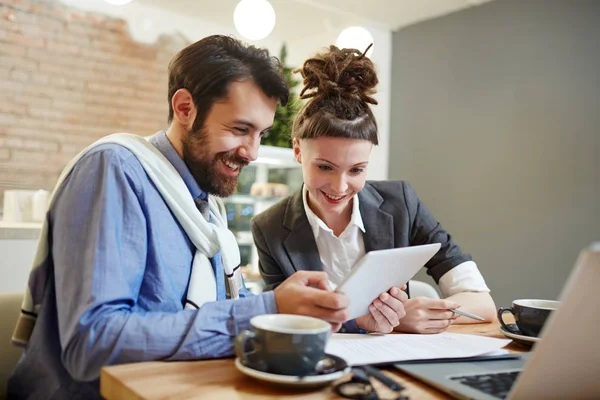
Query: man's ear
[(184, 109), (297, 153)]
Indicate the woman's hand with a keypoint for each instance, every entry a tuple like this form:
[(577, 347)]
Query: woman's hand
[(385, 312), (425, 315)]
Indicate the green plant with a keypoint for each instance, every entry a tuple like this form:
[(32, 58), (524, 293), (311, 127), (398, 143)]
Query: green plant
[(279, 135)]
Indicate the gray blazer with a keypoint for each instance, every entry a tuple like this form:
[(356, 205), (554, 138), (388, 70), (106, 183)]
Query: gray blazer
[(393, 217)]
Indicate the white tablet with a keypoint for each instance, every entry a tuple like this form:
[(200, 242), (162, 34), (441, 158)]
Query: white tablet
[(380, 270)]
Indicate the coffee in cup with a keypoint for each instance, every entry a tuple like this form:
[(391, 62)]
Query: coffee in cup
[(530, 315), (283, 343)]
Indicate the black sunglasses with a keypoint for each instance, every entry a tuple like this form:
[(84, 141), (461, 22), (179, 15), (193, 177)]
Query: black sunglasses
[(359, 387)]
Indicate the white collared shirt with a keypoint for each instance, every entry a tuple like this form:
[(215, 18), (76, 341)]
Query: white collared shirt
[(339, 253)]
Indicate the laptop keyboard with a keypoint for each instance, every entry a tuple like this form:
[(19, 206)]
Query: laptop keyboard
[(496, 384)]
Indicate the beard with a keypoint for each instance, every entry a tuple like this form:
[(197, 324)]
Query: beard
[(203, 165)]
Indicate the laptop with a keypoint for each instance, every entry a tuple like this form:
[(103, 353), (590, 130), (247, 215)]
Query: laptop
[(563, 364)]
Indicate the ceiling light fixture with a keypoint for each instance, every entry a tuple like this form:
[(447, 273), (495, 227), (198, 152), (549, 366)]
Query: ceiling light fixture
[(355, 37), (254, 19)]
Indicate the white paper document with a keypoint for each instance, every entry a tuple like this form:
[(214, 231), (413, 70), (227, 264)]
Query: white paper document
[(359, 349)]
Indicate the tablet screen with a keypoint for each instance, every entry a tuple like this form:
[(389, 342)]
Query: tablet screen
[(380, 270)]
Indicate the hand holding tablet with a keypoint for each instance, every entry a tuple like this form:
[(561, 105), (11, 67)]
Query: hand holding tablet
[(380, 270)]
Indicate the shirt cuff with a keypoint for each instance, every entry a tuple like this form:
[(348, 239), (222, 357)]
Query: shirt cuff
[(245, 308), (351, 327), (464, 277), (269, 302)]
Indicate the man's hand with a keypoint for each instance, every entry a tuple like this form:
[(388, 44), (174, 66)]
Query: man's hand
[(425, 315), (306, 293), (385, 312)]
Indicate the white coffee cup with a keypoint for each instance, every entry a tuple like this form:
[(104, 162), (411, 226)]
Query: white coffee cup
[(25, 205), (17, 205), (39, 205)]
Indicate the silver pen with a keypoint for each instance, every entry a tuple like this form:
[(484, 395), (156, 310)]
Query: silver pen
[(466, 314)]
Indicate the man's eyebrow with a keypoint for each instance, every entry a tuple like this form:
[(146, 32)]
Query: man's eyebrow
[(244, 122), (249, 124)]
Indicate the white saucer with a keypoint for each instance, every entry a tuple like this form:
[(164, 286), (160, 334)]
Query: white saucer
[(290, 380), (519, 339)]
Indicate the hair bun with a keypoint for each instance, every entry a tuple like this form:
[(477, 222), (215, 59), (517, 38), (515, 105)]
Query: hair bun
[(339, 73)]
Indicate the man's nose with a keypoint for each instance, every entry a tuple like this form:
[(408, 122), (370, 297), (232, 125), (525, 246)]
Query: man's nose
[(249, 150)]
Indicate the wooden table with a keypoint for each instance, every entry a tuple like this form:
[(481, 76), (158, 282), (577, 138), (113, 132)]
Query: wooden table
[(219, 379)]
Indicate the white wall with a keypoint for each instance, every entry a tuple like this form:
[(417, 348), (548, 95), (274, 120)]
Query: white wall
[(147, 23), (496, 111)]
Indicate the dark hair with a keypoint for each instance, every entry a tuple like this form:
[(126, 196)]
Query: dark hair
[(207, 67), (339, 84)]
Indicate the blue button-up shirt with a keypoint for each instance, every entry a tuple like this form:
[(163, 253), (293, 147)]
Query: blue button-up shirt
[(116, 281)]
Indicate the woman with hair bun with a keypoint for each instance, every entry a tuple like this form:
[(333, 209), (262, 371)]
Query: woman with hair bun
[(338, 215)]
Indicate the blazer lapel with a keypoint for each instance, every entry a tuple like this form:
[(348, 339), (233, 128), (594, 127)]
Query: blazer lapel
[(379, 225), (300, 244)]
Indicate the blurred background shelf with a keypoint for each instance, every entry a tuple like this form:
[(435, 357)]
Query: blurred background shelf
[(274, 175)]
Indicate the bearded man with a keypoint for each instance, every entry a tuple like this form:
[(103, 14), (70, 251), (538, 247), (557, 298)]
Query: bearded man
[(135, 262)]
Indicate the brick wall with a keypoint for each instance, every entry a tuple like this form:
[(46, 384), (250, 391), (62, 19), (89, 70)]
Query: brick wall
[(68, 77)]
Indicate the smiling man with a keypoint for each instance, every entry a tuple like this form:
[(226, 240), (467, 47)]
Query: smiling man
[(137, 263)]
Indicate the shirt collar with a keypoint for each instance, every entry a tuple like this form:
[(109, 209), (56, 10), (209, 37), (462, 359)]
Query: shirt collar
[(317, 224), (356, 218), (162, 143)]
